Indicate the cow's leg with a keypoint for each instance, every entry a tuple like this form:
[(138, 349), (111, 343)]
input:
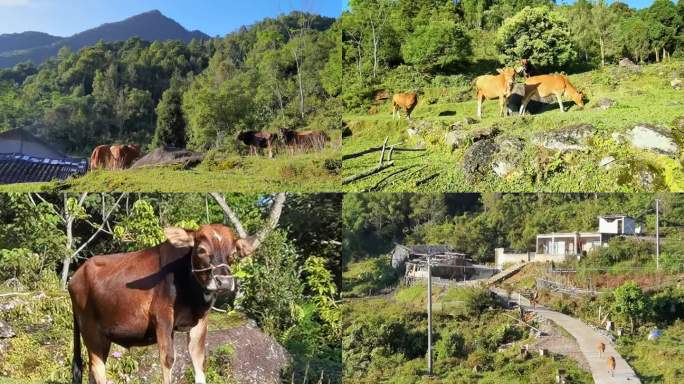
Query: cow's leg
[(526, 100), (164, 334), (560, 101), (98, 349), (196, 347), (502, 110), (480, 96)]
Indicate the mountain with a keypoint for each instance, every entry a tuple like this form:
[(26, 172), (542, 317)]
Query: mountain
[(38, 47)]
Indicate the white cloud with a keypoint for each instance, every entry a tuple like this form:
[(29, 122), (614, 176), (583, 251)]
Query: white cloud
[(14, 3)]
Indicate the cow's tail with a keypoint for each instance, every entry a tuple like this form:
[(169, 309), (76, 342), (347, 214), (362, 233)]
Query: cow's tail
[(77, 361)]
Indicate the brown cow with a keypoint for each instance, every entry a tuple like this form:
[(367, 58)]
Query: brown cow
[(141, 298), (601, 348), (101, 158), (258, 139), (495, 86), (546, 85), (406, 101), (611, 365), (303, 140), (124, 155)]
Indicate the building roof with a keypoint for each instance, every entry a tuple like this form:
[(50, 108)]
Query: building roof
[(569, 234), (614, 216), (23, 142), (16, 168), (426, 248)]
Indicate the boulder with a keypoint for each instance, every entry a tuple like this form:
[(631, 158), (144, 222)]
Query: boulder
[(507, 161), (6, 331), (477, 159), (460, 138), (678, 129), (677, 84), (169, 156), (629, 64), (604, 103), (651, 138), (569, 138), (418, 127)]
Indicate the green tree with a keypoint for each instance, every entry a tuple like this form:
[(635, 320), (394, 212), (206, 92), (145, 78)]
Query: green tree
[(437, 45), (634, 32), (631, 303), (140, 229), (170, 120), (540, 35)]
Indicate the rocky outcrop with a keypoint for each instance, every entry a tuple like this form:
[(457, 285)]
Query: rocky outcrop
[(677, 84), (508, 160), (6, 331), (478, 158), (169, 156), (650, 138), (629, 64), (460, 138), (604, 103), (568, 138)]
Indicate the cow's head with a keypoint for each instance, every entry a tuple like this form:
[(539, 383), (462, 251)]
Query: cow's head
[(509, 78), (214, 250), (578, 98)]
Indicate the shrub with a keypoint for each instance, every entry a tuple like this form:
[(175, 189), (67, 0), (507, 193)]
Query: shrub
[(451, 344)]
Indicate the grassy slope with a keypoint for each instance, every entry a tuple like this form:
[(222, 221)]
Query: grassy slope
[(448, 314), (311, 172), (641, 98)]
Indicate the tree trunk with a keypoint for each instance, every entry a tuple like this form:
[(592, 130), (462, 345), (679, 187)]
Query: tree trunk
[(603, 52), (375, 50), (657, 55)]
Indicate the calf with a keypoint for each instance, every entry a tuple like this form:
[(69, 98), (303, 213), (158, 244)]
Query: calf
[(303, 140), (258, 139), (495, 86), (406, 101), (611, 365), (141, 298), (601, 348), (546, 85)]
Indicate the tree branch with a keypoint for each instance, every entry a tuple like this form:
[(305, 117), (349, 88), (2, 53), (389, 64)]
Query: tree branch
[(231, 215)]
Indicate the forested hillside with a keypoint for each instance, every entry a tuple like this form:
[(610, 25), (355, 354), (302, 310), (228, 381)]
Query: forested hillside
[(405, 45), (279, 72), (476, 224)]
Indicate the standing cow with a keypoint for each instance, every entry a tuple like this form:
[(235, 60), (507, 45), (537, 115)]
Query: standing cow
[(611, 366), (101, 158), (258, 139), (495, 87), (601, 348), (141, 298), (546, 85), (406, 101), (303, 140)]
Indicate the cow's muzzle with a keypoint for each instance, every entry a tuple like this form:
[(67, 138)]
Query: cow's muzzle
[(218, 282)]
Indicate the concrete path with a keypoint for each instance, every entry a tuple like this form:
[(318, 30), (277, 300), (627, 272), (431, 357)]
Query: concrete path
[(588, 340)]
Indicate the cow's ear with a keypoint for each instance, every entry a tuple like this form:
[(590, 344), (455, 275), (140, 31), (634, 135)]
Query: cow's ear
[(499, 70), (245, 246), (179, 237)]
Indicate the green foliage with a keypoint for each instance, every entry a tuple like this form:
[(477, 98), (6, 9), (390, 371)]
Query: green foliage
[(368, 277), (170, 129), (621, 249), (449, 345), (631, 303), (537, 34), (439, 44), (141, 229)]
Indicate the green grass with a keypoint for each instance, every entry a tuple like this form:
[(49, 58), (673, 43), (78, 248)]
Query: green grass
[(310, 172), (640, 98), (384, 342), (368, 277), (660, 361)]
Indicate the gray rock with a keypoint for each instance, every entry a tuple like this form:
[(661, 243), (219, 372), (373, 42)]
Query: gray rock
[(605, 103), (607, 162), (477, 159), (412, 132), (508, 161), (460, 138), (470, 121), (629, 64), (651, 138), (568, 138), (6, 331), (677, 84)]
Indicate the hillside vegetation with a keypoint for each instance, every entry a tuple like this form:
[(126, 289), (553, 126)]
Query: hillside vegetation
[(628, 138)]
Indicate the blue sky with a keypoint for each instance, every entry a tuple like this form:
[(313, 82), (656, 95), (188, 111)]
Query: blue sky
[(213, 17)]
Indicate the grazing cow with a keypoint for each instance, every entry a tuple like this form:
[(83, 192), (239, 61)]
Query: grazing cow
[(303, 140), (123, 156), (601, 348), (141, 298), (406, 101), (555, 84), (611, 365), (495, 86), (101, 158), (258, 139)]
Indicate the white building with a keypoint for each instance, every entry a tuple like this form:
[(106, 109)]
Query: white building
[(563, 246)]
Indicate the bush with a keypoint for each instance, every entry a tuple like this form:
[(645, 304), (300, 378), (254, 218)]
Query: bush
[(451, 344), (437, 45), (477, 300)]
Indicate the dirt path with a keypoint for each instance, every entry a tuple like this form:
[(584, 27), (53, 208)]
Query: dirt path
[(587, 339)]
